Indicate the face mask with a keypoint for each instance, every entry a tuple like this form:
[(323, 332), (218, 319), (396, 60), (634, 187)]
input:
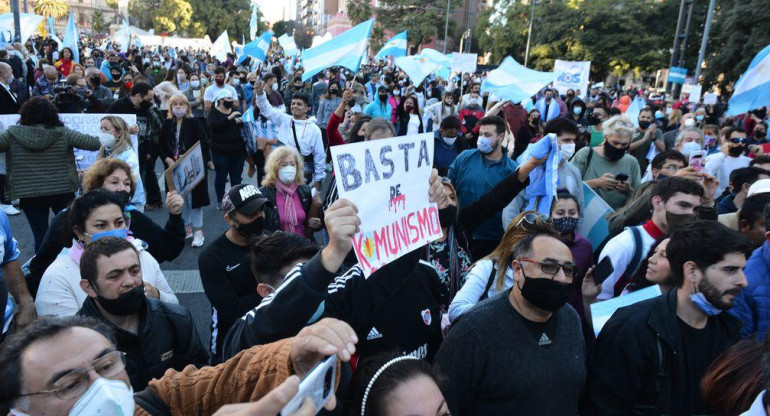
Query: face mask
[(577, 110), (710, 140), (126, 304), (275, 87), (567, 150), (735, 151), (593, 120), (219, 82), (287, 174), (236, 82), (227, 104), (128, 85), (118, 232), (253, 228), (124, 196), (612, 152), (699, 117), (690, 147), (760, 134), (486, 145), (678, 221), (449, 140), (447, 216), (689, 122), (179, 112), (659, 114), (383, 98), (146, 61), (107, 140), (704, 305), (155, 64), (180, 78), (145, 105), (104, 397), (195, 84), (545, 294), (644, 124), (565, 224), (96, 80)]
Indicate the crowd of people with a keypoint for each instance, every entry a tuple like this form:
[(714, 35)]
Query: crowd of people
[(494, 317)]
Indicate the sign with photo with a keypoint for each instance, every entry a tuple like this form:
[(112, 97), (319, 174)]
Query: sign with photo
[(187, 172)]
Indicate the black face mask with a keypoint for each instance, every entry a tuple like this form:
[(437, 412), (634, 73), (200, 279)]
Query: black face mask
[(644, 124), (128, 303), (612, 152), (124, 196), (735, 151), (447, 216), (546, 294), (96, 80), (252, 228), (676, 222), (383, 98), (759, 134), (333, 92), (227, 104), (145, 105), (593, 120)]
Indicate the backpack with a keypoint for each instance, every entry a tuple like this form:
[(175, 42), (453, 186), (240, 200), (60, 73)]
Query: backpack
[(490, 280)]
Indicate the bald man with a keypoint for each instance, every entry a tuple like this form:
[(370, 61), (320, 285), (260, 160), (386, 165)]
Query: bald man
[(9, 103), (44, 85)]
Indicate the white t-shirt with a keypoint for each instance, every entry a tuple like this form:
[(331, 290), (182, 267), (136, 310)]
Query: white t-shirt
[(721, 165), (214, 89), (413, 127)]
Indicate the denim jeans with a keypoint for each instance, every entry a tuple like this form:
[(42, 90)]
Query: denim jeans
[(227, 164)]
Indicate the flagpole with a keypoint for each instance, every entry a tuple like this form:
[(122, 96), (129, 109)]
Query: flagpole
[(529, 33), (446, 25)]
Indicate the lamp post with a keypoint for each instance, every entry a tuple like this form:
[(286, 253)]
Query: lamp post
[(446, 24), (529, 33)]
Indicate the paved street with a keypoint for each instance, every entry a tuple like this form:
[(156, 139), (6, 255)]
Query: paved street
[(182, 273)]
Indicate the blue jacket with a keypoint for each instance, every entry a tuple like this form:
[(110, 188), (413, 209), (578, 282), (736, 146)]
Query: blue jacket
[(752, 306), (473, 177), (376, 109)]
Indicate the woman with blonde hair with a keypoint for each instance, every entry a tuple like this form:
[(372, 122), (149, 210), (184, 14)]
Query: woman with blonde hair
[(674, 118), (180, 132), (486, 278), (284, 186), (116, 144)]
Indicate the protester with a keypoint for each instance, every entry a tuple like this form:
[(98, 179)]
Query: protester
[(93, 216), (735, 379), (470, 116), (166, 89), (213, 90), (116, 144), (20, 312), (646, 135), (380, 106), (327, 104), (409, 118), (227, 147), (436, 113), (146, 329), (180, 133), (596, 122), (741, 180), (195, 95), (677, 335)]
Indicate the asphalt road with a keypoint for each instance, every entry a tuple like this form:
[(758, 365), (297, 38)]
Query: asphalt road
[(182, 273)]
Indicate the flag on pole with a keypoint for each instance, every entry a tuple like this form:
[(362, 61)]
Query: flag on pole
[(288, 45), (3, 42), (752, 90), (253, 22), (257, 49), (53, 33), (71, 39), (416, 66), (634, 109), (346, 49), (676, 75), (221, 47), (512, 81), (595, 226), (125, 38), (395, 47)]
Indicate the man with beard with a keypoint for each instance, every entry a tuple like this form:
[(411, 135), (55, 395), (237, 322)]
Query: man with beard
[(650, 357), (154, 335), (218, 85), (730, 158)]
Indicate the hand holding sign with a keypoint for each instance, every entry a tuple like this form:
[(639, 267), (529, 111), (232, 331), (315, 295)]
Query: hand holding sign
[(342, 223)]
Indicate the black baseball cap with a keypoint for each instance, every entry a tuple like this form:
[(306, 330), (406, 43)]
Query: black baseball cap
[(245, 198)]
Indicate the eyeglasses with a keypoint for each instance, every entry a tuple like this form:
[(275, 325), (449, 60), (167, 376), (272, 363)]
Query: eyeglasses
[(737, 141), (672, 168), (551, 267), (532, 217), (76, 382)]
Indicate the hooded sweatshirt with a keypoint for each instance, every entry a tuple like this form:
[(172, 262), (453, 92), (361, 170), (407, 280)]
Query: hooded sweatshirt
[(38, 156), (378, 109)]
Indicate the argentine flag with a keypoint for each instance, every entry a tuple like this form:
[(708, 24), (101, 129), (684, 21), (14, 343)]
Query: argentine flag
[(677, 75), (512, 81), (221, 47), (253, 22), (257, 49), (71, 39), (634, 109), (416, 66), (288, 45), (752, 91), (395, 47), (594, 226), (346, 49), (53, 33)]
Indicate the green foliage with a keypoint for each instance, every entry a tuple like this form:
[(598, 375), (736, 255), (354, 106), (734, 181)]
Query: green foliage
[(217, 16), (54, 8), (195, 18), (359, 11), (283, 26), (172, 15), (424, 19), (112, 4), (97, 21)]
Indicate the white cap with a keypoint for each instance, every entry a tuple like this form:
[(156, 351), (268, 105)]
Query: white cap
[(761, 186)]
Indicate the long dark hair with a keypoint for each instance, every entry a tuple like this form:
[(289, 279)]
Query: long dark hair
[(639, 279), (353, 136), (38, 110)]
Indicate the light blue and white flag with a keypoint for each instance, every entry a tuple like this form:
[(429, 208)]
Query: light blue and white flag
[(634, 109), (676, 75), (346, 49), (53, 33), (594, 226), (752, 90), (248, 115), (29, 23), (221, 47), (3, 42), (288, 45), (253, 22), (257, 49), (416, 66), (512, 81), (71, 39), (395, 47)]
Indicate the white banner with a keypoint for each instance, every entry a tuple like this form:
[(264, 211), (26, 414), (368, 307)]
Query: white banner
[(571, 74), (464, 62), (84, 123), (693, 92), (388, 181)]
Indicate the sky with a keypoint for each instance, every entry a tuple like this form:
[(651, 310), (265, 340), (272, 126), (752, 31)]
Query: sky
[(273, 9)]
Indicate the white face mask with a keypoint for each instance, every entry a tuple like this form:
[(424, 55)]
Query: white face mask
[(236, 82), (107, 139), (689, 122), (195, 84), (567, 150), (275, 87), (287, 174), (104, 397), (690, 147)]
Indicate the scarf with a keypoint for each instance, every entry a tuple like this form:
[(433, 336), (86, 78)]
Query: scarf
[(289, 210), (544, 179)]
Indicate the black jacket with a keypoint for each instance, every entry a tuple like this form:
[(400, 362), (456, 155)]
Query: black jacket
[(166, 339), (165, 244), (225, 134), (272, 220), (191, 132), (638, 363), (8, 105)]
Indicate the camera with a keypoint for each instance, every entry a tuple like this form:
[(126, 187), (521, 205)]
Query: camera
[(62, 88)]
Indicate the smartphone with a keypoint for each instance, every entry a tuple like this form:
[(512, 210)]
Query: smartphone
[(318, 384), (603, 270), (621, 177), (696, 159)]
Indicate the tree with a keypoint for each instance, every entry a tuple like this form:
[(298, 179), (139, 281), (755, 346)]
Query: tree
[(5, 7), (423, 18), (52, 8), (284, 26), (217, 16), (359, 11), (303, 36), (172, 15), (98, 24), (112, 4)]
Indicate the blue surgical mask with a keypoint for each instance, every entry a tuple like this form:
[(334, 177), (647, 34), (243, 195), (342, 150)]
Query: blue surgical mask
[(704, 305), (485, 145), (699, 117), (118, 232), (659, 114)]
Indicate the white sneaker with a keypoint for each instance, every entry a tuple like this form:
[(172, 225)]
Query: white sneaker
[(198, 238), (10, 209)]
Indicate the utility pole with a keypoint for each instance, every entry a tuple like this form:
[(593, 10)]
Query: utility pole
[(704, 42), (529, 33), (446, 25), (680, 38), (16, 20)]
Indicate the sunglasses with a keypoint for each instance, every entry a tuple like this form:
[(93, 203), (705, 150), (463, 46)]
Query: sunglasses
[(532, 217), (550, 267), (737, 141)]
